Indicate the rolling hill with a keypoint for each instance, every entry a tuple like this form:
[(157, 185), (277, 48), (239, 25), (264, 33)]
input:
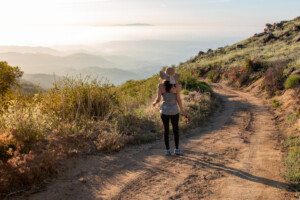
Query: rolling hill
[(112, 75), (45, 63)]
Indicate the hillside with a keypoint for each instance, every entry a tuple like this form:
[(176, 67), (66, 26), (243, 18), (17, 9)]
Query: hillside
[(267, 63), (43, 80), (30, 88), (278, 45)]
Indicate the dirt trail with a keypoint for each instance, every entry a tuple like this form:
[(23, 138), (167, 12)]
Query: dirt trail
[(233, 156)]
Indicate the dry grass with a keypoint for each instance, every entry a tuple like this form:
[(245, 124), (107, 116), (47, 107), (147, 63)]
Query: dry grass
[(79, 116)]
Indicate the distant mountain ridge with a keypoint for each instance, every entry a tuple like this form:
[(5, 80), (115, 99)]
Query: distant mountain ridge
[(37, 62), (112, 75), (133, 59), (27, 49)]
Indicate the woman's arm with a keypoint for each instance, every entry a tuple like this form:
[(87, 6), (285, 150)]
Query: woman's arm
[(158, 98), (178, 98)]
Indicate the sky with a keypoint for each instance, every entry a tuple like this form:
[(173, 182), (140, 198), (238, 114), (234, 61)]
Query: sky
[(63, 22)]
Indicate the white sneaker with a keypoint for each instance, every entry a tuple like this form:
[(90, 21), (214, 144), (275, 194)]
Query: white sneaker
[(177, 151)]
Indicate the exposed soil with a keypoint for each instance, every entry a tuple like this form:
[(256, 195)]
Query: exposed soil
[(235, 155)]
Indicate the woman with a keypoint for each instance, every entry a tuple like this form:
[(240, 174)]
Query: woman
[(170, 90)]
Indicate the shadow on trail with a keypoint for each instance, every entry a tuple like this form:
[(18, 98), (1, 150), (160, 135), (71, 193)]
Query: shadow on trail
[(235, 172)]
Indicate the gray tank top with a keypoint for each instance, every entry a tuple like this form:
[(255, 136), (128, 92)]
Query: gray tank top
[(169, 105)]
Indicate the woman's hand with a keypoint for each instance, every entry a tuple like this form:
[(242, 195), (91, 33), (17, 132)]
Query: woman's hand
[(183, 113), (154, 103)]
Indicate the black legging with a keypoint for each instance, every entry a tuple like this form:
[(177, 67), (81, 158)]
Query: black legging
[(166, 122)]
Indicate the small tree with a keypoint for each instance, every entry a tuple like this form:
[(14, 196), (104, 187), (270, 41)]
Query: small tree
[(8, 77)]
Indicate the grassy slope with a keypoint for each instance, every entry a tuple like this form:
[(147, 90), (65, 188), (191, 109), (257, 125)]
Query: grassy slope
[(272, 62), (281, 47)]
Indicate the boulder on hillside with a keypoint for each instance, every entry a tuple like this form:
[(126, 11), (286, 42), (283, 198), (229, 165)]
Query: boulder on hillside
[(297, 18), (240, 46), (290, 71), (219, 50), (296, 27), (297, 39), (210, 53), (281, 34), (259, 34), (203, 71), (296, 72), (277, 26), (268, 37), (269, 27), (201, 53)]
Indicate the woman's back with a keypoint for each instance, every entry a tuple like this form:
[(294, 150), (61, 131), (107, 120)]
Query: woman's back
[(169, 105)]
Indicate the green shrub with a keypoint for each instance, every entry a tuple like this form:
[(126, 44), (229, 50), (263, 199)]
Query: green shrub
[(292, 118), (185, 92), (187, 79), (292, 141), (204, 87), (255, 64), (198, 106), (213, 76), (293, 164), (8, 77), (275, 103), (133, 93), (292, 81), (140, 113), (190, 82)]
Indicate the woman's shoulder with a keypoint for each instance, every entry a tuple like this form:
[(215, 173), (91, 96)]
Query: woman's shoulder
[(160, 85)]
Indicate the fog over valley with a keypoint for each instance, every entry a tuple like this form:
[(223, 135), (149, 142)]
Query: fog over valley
[(116, 61)]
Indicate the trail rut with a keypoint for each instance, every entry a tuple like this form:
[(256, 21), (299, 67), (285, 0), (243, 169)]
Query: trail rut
[(232, 156)]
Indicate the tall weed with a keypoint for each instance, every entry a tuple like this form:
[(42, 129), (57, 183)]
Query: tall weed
[(273, 79), (77, 100), (26, 121)]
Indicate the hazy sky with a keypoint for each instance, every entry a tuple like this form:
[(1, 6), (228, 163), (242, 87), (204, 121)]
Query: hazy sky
[(50, 22)]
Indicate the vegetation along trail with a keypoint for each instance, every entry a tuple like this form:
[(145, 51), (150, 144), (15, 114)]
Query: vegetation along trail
[(234, 155)]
